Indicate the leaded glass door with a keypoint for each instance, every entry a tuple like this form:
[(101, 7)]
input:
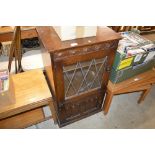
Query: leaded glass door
[(83, 77), (81, 82)]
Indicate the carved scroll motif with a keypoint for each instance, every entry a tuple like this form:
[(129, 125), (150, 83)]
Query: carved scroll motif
[(84, 50)]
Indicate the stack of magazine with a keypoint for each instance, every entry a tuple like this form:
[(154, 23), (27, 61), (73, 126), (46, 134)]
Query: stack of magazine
[(4, 81), (132, 44)]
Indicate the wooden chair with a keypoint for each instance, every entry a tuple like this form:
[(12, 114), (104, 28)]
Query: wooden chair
[(16, 51), (23, 62)]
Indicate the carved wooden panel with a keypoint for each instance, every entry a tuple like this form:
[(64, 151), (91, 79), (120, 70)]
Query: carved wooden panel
[(85, 50), (73, 110)]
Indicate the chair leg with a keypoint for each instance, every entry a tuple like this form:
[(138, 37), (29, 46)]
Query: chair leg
[(143, 95), (107, 102)]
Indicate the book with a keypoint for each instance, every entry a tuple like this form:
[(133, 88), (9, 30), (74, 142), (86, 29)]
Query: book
[(4, 81)]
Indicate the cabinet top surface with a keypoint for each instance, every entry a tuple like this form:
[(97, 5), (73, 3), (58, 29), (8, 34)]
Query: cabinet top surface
[(53, 43)]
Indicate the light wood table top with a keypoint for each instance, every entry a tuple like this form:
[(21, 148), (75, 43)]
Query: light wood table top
[(6, 33), (30, 91), (6, 29)]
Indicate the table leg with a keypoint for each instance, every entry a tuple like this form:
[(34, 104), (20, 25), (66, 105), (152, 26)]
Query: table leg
[(53, 112), (143, 95), (107, 102)]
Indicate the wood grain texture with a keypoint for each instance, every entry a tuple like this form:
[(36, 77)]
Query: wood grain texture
[(6, 33), (30, 90), (23, 120)]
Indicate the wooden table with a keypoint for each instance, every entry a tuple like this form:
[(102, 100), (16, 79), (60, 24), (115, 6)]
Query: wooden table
[(142, 82), (6, 33), (31, 93)]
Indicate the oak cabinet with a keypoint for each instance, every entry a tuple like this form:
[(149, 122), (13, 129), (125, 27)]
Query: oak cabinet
[(78, 75)]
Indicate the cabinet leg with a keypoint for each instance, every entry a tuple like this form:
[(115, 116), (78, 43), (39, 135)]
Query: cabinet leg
[(107, 102), (143, 95)]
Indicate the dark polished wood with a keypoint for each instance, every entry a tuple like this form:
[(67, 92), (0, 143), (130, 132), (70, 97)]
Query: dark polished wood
[(60, 56)]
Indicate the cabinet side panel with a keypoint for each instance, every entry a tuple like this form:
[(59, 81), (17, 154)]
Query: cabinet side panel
[(48, 68), (47, 60)]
